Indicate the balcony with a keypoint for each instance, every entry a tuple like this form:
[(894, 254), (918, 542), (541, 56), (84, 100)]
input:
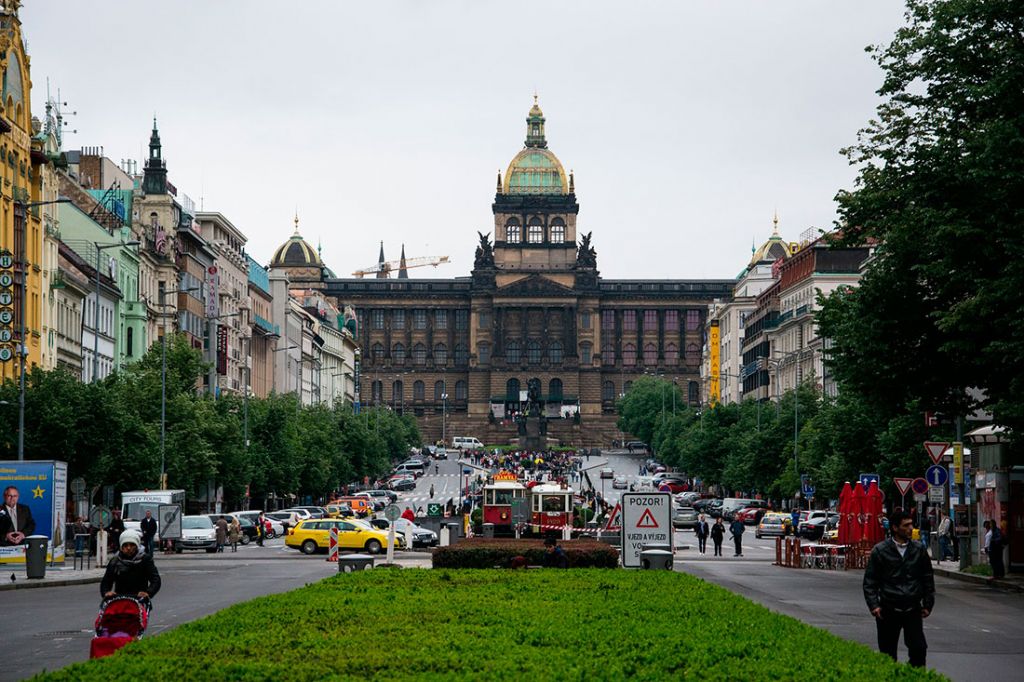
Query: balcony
[(265, 326), (57, 279)]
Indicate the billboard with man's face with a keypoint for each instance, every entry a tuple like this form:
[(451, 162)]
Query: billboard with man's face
[(33, 503)]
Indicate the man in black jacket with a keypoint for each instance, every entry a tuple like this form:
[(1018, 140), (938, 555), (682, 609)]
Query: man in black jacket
[(149, 529), (130, 572), (899, 588)]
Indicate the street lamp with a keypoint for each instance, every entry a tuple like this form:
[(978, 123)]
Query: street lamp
[(444, 413), (163, 382), (96, 308), (22, 347)]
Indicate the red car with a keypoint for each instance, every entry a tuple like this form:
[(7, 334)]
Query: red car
[(673, 485), (750, 516)]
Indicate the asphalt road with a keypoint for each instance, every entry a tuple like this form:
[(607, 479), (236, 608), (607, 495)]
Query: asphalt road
[(49, 628)]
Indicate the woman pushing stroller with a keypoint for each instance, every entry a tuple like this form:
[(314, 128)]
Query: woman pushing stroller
[(131, 571)]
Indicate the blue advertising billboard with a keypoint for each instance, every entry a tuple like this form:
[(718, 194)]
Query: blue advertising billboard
[(34, 498)]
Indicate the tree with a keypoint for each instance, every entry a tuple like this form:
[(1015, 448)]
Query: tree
[(940, 190)]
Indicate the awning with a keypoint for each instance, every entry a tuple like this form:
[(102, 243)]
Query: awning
[(988, 434)]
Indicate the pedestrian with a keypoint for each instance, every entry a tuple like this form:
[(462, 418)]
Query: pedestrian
[(794, 520), (261, 529), (114, 530), (130, 572), (554, 556), (431, 491), (222, 534), (148, 528), (945, 532), (899, 588), (409, 514), (736, 528), (234, 533), (718, 535), (926, 532), (702, 530), (994, 548)]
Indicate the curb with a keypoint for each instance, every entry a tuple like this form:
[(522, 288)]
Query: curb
[(62, 582), (979, 579)]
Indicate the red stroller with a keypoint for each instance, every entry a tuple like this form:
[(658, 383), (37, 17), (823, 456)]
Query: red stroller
[(122, 619)]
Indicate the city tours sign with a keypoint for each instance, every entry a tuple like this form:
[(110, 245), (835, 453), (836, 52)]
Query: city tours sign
[(646, 519)]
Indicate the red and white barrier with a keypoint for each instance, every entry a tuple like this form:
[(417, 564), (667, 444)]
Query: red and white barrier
[(332, 546)]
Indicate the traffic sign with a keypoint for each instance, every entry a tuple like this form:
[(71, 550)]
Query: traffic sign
[(865, 480), (936, 494), (806, 485), (903, 484), (169, 518), (936, 450), (646, 519), (434, 509), (919, 486), (392, 512), (936, 475)]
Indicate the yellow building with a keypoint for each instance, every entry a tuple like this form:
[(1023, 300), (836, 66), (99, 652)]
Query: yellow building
[(21, 227)]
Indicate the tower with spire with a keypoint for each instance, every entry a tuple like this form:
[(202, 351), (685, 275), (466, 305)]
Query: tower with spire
[(154, 179), (382, 273), (402, 272)]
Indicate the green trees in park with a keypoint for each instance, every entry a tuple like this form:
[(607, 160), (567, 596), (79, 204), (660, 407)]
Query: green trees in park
[(109, 432), (940, 190)]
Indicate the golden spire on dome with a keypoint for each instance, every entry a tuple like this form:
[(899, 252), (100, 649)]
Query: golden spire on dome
[(775, 224), (296, 222)]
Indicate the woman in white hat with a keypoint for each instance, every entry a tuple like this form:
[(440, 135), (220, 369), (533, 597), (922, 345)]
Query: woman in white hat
[(131, 571)]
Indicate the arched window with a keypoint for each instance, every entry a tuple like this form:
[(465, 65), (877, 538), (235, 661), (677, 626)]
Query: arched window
[(555, 352), (555, 390), (398, 354), (557, 231), (535, 234), (378, 353), (378, 392), (417, 390), (397, 393), (650, 355), (512, 390), (586, 354), (461, 356), (440, 354), (692, 354), (419, 354), (629, 355), (693, 389), (512, 231), (608, 392), (533, 352), (483, 353), (153, 221), (512, 352), (461, 391), (607, 353), (671, 354), (439, 391)]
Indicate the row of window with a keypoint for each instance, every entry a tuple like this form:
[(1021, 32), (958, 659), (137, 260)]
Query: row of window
[(535, 231), (630, 319), (650, 318), (534, 354), (419, 319), (418, 392)]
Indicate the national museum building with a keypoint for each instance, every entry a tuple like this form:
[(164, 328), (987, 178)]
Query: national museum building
[(534, 318)]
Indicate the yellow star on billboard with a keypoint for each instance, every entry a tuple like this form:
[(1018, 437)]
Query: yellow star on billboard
[(37, 492)]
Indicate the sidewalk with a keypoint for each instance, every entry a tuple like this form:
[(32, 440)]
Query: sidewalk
[(951, 569), (56, 576)]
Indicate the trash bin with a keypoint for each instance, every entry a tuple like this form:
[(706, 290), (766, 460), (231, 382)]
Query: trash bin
[(35, 556), (453, 533), (656, 559), (350, 563), (488, 530), (656, 545)]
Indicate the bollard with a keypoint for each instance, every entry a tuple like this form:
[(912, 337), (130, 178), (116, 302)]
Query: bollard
[(101, 548), (442, 536), (408, 537), (567, 532)]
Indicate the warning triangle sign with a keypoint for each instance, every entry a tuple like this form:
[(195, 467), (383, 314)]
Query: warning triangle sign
[(647, 520), (615, 518), (903, 484), (936, 450)]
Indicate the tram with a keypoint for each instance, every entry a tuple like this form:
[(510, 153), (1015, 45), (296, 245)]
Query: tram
[(547, 507)]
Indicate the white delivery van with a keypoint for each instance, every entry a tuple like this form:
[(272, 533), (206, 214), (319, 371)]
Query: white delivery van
[(466, 443)]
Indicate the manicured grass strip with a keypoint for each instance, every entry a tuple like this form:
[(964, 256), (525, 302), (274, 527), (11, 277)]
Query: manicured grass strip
[(586, 624)]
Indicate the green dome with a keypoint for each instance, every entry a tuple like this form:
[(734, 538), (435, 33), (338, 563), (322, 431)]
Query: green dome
[(535, 171)]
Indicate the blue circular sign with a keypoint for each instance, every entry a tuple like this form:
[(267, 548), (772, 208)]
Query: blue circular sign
[(919, 486), (937, 475)]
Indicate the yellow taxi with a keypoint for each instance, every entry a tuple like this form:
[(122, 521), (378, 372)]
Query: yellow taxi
[(312, 535)]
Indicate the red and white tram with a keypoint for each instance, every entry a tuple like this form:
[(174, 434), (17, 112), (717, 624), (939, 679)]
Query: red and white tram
[(548, 507), (497, 501)]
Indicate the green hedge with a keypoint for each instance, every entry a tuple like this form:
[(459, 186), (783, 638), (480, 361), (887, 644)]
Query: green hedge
[(498, 553), (496, 625)]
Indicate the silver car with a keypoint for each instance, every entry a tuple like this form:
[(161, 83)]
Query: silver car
[(684, 517)]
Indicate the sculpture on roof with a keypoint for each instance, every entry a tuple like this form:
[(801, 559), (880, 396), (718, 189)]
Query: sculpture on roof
[(484, 252), (586, 256)]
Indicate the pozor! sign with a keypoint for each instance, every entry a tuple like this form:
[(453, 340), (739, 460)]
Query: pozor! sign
[(646, 519)]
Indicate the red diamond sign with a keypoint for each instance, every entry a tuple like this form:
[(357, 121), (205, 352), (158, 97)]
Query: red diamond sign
[(936, 450), (903, 484)]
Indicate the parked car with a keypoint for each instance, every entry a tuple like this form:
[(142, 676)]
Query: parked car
[(269, 529), (607, 472), (685, 517), (313, 535), (817, 527), (714, 508), (315, 511), (403, 470), (247, 527), (301, 513), (414, 463), (285, 518), (808, 516), (673, 483), (750, 516), (773, 524), (402, 484), (384, 497), (197, 532), (619, 482), (421, 537), (636, 446)]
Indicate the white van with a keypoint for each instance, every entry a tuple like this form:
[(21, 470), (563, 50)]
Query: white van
[(466, 443)]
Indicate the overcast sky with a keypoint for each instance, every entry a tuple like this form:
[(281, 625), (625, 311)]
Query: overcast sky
[(687, 123)]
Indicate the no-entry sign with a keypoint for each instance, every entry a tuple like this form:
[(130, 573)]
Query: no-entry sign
[(646, 519)]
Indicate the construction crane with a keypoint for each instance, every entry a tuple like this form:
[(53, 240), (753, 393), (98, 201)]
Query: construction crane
[(385, 268)]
